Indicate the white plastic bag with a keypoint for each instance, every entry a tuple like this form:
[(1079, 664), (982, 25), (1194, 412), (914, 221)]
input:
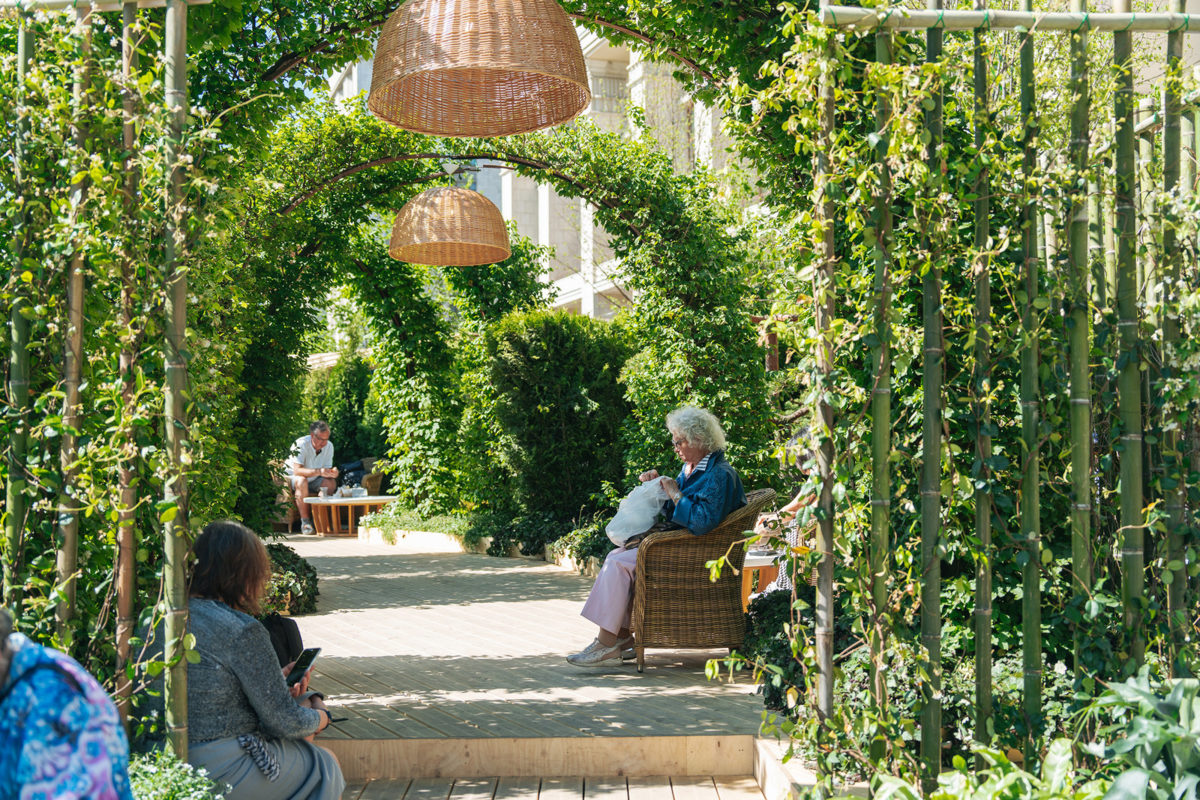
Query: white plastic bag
[(638, 511)]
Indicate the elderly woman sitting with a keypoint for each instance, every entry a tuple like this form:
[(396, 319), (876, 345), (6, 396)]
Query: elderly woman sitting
[(705, 492)]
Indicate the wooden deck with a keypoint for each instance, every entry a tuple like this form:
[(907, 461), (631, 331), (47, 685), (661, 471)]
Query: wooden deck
[(451, 666), (651, 788)]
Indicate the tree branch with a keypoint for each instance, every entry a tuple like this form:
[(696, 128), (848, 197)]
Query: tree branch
[(584, 190), (290, 61), (675, 54), (379, 162)]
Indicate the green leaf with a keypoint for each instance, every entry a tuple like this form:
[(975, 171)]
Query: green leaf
[(1057, 765), (1129, 785)]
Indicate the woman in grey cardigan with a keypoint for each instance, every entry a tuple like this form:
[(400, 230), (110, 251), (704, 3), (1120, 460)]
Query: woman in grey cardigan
[(246, 727)]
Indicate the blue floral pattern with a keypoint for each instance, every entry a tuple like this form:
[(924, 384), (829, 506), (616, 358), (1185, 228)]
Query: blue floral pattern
[(60, 734)]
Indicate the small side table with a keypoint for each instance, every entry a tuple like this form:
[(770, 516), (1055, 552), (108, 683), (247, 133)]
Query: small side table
[(766, 566), (327, 515)]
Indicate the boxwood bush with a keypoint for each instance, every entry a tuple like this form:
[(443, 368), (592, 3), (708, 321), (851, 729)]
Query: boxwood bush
[(561, 409)]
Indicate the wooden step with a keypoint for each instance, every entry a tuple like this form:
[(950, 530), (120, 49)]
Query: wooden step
[(637, 756)]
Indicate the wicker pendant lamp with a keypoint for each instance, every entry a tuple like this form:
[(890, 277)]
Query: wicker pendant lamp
[(450, 227), (478, 67)]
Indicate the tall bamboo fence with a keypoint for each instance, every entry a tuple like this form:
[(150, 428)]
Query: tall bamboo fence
[(1118, 171), (175, 527)]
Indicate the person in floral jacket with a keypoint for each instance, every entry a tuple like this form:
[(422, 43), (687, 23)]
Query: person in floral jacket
[(60, 735)]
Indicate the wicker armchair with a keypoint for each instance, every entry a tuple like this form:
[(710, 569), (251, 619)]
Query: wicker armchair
[(674, 603)]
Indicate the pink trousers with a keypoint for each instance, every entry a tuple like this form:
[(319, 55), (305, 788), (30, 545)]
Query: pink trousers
[(611, 600)]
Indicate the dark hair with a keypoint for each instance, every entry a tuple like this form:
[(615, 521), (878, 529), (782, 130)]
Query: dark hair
[(232, 565), (320, 426), (6, 627)]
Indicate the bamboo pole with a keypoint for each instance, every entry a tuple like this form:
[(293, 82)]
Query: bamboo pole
[(931, 18), (82, 5), (1031, 607), (1147, 211), (1175, 477), (931, 453), (982, 384), (1079, 332), (1188, 248), (824, 311), (1108, 206), (127, 467), (1096, 241), (1192, 164), (68, 501), (1129, 388), (881, 407), (16, 503), (1187, 146), (1048, 230), (175, 530)]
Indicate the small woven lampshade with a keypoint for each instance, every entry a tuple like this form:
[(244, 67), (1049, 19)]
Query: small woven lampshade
[(449, 227), (478, 67)]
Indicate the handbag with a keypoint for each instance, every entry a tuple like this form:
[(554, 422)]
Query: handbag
[(285, 637)]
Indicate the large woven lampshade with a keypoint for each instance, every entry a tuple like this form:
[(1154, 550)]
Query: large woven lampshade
[(449, 227), (478, 67)]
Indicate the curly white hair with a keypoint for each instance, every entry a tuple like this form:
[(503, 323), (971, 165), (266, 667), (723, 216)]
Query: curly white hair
[(698, 426)]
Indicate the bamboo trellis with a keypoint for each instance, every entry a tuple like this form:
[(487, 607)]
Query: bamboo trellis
[(176, 530), (1104, 268)]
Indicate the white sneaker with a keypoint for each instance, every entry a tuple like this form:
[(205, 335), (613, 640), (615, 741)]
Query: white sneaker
[(594, 653), (306, 526)]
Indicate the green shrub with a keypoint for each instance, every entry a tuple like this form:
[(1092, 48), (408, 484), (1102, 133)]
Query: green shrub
[(586, 540), (532, 533), (1153, 737), (396, 517), (560, 407), (161, 776), (1001, 780), (487, 524), (293, 586), (767, 643)]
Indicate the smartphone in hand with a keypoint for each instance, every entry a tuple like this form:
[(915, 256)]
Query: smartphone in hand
[(303, 665)]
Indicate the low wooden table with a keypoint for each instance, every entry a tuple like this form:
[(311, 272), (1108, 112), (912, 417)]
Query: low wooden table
[(767, 569), (327, 515)]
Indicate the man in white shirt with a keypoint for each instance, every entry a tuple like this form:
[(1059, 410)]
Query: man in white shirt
[(310, 469)]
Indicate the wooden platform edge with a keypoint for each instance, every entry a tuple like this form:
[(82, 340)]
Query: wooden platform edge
[(779, 780), (597, 756)]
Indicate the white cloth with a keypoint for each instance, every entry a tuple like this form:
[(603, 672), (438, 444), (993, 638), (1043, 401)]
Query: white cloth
[(638, 511), (305, 455), (610, 602)]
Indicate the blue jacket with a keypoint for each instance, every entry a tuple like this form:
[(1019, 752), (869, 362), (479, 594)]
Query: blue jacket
[(708, 496)]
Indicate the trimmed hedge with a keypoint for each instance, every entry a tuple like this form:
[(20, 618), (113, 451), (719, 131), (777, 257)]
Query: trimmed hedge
[(561, 409)]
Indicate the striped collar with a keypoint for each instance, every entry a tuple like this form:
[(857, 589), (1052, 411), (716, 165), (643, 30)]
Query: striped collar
[(701, 465)]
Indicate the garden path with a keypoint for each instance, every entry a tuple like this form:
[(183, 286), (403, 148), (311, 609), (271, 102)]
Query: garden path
[(465, 646)]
